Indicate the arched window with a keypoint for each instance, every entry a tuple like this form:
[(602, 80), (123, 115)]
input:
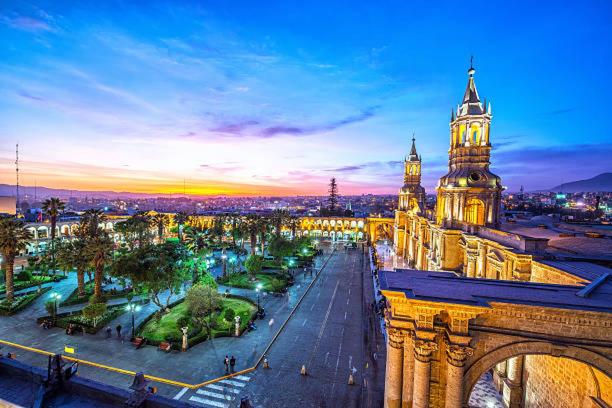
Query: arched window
[(475, 212)]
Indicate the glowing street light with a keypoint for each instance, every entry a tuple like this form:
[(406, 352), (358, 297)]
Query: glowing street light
[(258, 290), (132, 307), (55, 296)]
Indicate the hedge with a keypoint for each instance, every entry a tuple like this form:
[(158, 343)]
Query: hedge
[(21, 301)]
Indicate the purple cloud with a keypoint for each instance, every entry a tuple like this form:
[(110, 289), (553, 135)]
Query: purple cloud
[(234, 128), (29, 96), (29, 24), (305, 130)]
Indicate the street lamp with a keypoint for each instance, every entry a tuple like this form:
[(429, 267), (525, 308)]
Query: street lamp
[(55, 296), (258, 290), (224, 260), (132, 307)]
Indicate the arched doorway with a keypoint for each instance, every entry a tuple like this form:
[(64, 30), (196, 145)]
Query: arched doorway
[(524, 379), (475, 212)]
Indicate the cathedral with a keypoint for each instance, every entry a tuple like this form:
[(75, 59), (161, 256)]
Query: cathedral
[(535, 311)]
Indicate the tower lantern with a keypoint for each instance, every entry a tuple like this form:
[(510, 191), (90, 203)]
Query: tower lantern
[(469, 194)]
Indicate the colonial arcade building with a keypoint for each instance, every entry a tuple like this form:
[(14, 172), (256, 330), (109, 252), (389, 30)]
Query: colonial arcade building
[(482, 300)]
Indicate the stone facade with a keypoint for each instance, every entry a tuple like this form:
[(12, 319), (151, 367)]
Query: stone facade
[(462, 237)]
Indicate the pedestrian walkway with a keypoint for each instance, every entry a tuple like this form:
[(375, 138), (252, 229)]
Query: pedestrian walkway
[(484, 394), (220, 394)]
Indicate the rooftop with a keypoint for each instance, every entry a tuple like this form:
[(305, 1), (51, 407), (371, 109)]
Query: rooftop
[(446, 287)]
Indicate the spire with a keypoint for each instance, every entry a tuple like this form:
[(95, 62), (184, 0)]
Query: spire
[(452, 114), (471, 101), (413, 152)]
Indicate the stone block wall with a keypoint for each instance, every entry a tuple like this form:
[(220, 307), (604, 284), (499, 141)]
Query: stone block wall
[(562, 383)]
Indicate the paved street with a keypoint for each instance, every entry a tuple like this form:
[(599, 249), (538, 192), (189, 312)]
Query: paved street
[(332, 334)]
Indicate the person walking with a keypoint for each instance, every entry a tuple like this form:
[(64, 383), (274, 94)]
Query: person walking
[(232, 364), (109, 332), (270, 323), (118, 328), (226, 361)]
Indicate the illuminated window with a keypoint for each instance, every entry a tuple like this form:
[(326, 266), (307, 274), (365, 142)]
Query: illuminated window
[(475, 212)]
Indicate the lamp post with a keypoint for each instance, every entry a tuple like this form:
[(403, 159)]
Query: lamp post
[(55, 296), (224, 260), (258, 290), (132, 307)]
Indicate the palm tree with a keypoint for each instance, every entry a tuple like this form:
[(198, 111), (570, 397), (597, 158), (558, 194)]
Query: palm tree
[(161, 221), (279, 219), (52, 207), (293, 223), (90, 221), (196, 240), (180, 218), (264, 230), (252, 227), (14, 237), (99, 250)]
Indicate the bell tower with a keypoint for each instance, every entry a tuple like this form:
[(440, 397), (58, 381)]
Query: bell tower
[(469, 194), (412, 194)]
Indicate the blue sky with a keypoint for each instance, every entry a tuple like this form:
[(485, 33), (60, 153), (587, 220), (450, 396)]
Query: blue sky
[(277, 97)]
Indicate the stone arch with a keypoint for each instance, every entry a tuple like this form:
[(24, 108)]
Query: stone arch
[(475, 211), (65, 230), (42, 232), (522, 348)]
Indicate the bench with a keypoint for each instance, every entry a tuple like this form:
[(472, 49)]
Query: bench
[(138, 342), (165, 346)]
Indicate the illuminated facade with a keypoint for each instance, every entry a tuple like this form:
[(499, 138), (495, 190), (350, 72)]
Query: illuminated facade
[(433, 359)]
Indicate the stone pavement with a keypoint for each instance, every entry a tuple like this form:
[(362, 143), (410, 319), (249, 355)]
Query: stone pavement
[(332, 335), (484, 394), (202, 362)]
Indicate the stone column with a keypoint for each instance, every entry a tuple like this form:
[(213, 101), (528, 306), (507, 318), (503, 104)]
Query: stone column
[(393, 372), (422, 369), (514, 375), (455, 358), (408, 372)]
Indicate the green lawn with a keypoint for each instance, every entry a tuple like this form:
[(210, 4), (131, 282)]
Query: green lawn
[(168, 329), (74, 298), (271, 282), (19, 284)]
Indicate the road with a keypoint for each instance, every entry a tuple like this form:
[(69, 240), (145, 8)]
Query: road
[(332, 334)]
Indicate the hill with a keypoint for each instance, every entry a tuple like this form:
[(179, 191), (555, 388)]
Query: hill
[(602, 182)]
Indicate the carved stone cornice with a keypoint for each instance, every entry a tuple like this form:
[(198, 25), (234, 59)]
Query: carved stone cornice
[(423, 350), (396, 338), (456, 354)]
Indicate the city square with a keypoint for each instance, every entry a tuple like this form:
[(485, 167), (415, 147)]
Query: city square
[(253, 206)]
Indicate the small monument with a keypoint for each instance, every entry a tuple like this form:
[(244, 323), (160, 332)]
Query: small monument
[(237, 331), (185, 344)]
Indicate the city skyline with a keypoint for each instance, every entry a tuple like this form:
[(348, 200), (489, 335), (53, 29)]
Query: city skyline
[(209, 100)]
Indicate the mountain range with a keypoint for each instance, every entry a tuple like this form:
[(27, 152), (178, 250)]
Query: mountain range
[(602, 182)]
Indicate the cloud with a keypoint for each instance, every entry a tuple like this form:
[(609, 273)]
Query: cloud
[(236, 128), (29, 24), (29, 96), (305, 130)]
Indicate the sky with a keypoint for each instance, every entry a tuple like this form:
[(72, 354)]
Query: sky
[(275, 98)]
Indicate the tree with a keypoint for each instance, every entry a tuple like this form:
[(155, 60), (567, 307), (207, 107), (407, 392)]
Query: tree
[(201, 302), (154, 269), (254, 265), (264, 230), (279, 219), (161, 222), (94, 311), (218, 229), (99, 252), (252, 226), (74, 255), (14, 237), (195, 240), (293, 223), (52, 207), (333, 195), (180, 218), (136, 230), (279, 248)]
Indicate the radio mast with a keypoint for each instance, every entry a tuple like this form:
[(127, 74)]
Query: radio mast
[(17, 176)]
